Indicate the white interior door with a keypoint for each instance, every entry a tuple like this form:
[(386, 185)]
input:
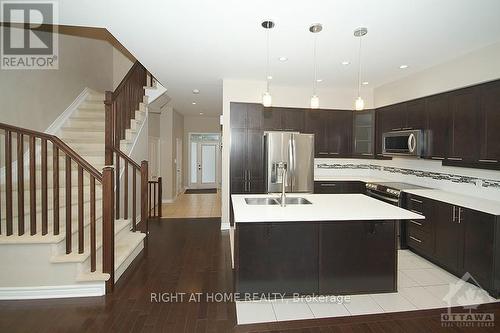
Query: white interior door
[(154, 157)]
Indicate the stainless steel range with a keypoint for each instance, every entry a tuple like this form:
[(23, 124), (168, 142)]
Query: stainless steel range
[(390, 192)]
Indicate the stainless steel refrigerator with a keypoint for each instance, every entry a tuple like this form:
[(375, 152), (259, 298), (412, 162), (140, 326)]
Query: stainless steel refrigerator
[(297, 151)]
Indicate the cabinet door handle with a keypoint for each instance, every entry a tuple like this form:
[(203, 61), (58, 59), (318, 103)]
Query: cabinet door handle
[(489, 161), (454, 217), (415, 200), (455, 158), (407, 128), (322, 153), (417, 223), (437, 158), (459, 215), (416, 239), (416, 211), (396, 129), (327, 185), (334, 153)]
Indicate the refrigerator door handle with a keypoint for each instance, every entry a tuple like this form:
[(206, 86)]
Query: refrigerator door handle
[(291, 164)]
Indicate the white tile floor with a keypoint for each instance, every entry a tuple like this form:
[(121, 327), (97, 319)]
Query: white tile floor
[(421, 285)]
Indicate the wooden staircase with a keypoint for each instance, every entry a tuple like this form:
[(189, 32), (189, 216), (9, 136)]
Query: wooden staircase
[(73, 207)]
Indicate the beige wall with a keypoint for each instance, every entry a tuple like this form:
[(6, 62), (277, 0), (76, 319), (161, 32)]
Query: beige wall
[(198, 124), (171, 128), (478, 66), (35, 98), (121, 65)]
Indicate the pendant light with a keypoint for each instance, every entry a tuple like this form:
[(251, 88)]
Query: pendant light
[(315, 28), (359, 104), (266, 97)]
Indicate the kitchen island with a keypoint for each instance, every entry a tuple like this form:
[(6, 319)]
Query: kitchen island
[(336, 244)]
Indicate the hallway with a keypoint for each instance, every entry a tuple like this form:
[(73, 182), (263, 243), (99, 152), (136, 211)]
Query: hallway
[(193, 206)]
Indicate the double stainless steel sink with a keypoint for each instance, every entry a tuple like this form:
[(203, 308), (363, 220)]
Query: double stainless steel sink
[(277, 201)]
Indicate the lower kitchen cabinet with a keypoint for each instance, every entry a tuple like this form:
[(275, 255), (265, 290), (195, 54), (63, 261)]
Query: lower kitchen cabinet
[(479, 246), (459, 239), (260, 262), (339, 187), (367, 266)]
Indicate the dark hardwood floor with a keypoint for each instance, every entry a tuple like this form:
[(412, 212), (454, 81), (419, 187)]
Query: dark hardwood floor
[(189, 256)]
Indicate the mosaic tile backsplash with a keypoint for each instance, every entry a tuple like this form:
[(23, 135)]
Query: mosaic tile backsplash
[(487, 183)]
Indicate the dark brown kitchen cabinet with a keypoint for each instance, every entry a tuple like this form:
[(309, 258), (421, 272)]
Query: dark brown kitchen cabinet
[(292, 119), (448, 232), (438, 131), (419, 234), (479, 242), (416, 115), (246, 115), (271, 119), (247, 161), (332, 131), (260, 263), (464, 113), (339, 187), (490, 123), (388, 118), (374, 240)]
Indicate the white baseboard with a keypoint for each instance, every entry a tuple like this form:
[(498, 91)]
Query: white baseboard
[(63, 117), (43, 292)]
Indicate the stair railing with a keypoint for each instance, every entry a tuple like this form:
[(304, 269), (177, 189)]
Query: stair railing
[(61, 154), (155, 196), (121, 105)]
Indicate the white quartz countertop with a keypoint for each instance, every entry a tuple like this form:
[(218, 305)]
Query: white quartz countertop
[(324, 207), (475, 203)]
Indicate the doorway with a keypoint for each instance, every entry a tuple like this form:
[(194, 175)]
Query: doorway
[(203, 160)]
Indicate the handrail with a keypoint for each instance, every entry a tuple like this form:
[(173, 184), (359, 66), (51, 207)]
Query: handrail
[(67, 198), (126, 78), (60, 144), (127, 158)]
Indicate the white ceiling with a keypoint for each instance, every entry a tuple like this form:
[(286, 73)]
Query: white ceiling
[(190, 44)]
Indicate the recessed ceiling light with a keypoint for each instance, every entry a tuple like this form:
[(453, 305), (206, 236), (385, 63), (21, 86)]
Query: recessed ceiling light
[(319, 80), (365, 83), (283, 59), (201, 113), (345, 62), (196, 91), (269, 77), (403, 66), (194, 103)]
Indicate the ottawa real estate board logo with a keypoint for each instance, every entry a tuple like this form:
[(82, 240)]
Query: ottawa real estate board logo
[(29, 38)]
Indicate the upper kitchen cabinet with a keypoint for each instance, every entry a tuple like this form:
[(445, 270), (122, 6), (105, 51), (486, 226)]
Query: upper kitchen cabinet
[(332, 131), (438, 131), (246, 115), (292, 119), (339, 133), (363, 135), (490, 123), (388, 118), (271, 119), (416, 115), (464, 113)]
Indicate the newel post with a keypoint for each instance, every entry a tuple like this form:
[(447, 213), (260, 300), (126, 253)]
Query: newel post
[(108, 227), (109, 127), (159, 197), (144, 197)]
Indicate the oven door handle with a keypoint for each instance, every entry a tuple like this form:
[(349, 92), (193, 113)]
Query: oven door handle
[(382, 197), (412, 143)]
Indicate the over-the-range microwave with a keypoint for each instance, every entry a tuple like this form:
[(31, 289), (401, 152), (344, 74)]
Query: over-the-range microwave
[(406, 143)]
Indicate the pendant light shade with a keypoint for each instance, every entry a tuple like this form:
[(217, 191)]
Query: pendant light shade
[(267, 99), (266, 96), (314, 102), (315, 28), (359, 104)]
